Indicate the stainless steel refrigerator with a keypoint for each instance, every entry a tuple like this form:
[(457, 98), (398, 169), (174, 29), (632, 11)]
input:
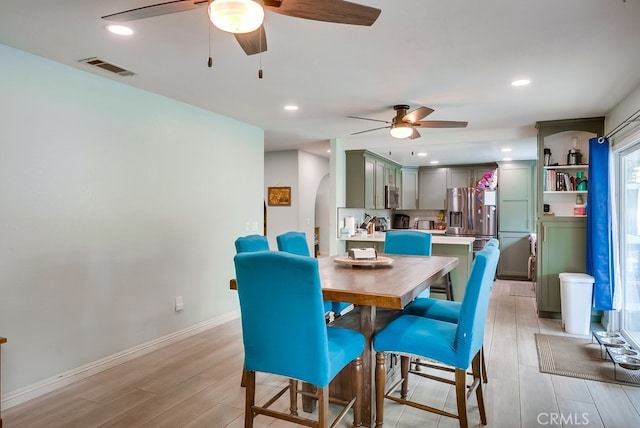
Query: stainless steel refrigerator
[(472, 212)]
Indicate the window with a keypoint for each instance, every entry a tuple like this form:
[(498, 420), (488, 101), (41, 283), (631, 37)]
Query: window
[(630, 241)]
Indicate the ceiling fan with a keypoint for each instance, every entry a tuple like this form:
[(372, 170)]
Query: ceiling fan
[(254, 40), (404, 124)]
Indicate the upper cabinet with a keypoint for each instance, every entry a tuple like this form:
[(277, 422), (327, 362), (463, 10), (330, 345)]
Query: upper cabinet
[(458, 177), (366, 176), (467, 176), (409, 194), (432, 189)]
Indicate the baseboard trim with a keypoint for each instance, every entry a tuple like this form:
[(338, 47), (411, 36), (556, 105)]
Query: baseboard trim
[(63, 379)]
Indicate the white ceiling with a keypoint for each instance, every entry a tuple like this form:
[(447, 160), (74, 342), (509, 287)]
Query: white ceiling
[(455, 56)]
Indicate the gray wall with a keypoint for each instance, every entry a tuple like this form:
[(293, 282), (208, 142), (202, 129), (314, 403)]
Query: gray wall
[(113, 201)]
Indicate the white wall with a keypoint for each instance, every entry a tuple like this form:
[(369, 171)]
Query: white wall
[(113, 201), (621, 112), (303, 172)]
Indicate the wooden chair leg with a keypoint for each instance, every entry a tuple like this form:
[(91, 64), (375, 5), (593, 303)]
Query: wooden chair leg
[(358, 378), (475, 368), (250, 396), (404, 374), (461, 397), (485, 377), (381, 373), (243, 381), (323, 407), (293, 397)]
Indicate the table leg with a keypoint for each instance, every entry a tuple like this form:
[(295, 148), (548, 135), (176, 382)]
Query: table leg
[(367, 328)]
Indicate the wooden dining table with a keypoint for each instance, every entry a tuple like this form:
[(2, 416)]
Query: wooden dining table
[(388, 286)]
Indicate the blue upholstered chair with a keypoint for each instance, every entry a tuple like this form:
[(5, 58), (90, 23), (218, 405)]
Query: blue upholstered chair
[(455, 345), (305, 349), (296, 243), (444, 310), (412, 242), (251, 243)]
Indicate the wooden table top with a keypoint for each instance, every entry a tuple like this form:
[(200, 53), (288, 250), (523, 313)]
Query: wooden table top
[(392, 286)]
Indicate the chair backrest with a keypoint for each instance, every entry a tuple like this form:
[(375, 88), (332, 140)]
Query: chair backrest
[(294, 243), (251, 243), (493, 242), (410, 242), (277, 282), (473, 310)]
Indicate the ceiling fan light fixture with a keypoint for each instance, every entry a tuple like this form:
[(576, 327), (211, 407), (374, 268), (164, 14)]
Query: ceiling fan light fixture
[(236, 16), (401, 130)]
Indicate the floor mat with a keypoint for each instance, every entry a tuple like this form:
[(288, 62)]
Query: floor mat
[(581, 358)]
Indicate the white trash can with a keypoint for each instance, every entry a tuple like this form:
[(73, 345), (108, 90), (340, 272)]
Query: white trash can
[(576, 291)]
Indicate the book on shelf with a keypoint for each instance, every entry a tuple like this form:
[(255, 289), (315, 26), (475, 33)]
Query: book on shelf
[(558, 181)]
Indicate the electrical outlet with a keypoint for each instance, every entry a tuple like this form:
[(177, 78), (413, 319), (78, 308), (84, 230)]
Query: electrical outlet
[(179, 303)]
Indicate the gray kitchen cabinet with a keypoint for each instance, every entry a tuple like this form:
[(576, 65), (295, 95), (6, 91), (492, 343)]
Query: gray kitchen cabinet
[(515, 249), (378, 188), (432, 188), (409, 194), (561, 248), (366, 176), (516, 196), (467, 175), (389, 175), (458, 177), (516, 217), (479, 171)]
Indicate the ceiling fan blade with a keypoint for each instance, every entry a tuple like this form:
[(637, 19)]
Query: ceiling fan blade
[(415, 134), (369, 130), (440, 124), (253, 42), (417, 114), (366, 118), (338, 11), (155, 10)]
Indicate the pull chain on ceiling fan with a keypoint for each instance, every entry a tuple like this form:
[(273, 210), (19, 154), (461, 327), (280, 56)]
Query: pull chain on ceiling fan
[(404, 124)]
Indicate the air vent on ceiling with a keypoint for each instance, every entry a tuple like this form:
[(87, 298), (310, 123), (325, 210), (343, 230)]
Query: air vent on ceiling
[(97, 62)]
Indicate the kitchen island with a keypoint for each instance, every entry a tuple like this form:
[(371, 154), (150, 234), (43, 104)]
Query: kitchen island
[(450, 246)]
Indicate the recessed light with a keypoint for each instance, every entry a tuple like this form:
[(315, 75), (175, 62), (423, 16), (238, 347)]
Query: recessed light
[(291, 107), (422, 154), (506, 149), (520, 82), (120, 30), (435, 162), (507, 159), (329, 151)]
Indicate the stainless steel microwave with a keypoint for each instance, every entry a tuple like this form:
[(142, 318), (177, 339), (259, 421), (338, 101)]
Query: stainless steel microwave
[(391, 197)]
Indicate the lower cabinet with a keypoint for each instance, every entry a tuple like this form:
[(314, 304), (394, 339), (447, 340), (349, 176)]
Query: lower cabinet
[(561, 248), (515, 250)]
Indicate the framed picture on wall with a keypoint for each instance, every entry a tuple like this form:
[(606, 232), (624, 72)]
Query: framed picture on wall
[(279, 196)]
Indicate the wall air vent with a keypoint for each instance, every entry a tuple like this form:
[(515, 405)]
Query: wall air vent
[(97, 62)]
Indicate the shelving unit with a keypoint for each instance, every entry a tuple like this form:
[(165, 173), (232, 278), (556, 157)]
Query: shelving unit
[(560, 182), (562, 235)]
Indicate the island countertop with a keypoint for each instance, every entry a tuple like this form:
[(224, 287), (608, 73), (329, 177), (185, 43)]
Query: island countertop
[(435, 239), (448, 246)]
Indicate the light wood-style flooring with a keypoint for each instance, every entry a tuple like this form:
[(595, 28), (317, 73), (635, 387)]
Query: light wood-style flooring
[(196, 383)]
